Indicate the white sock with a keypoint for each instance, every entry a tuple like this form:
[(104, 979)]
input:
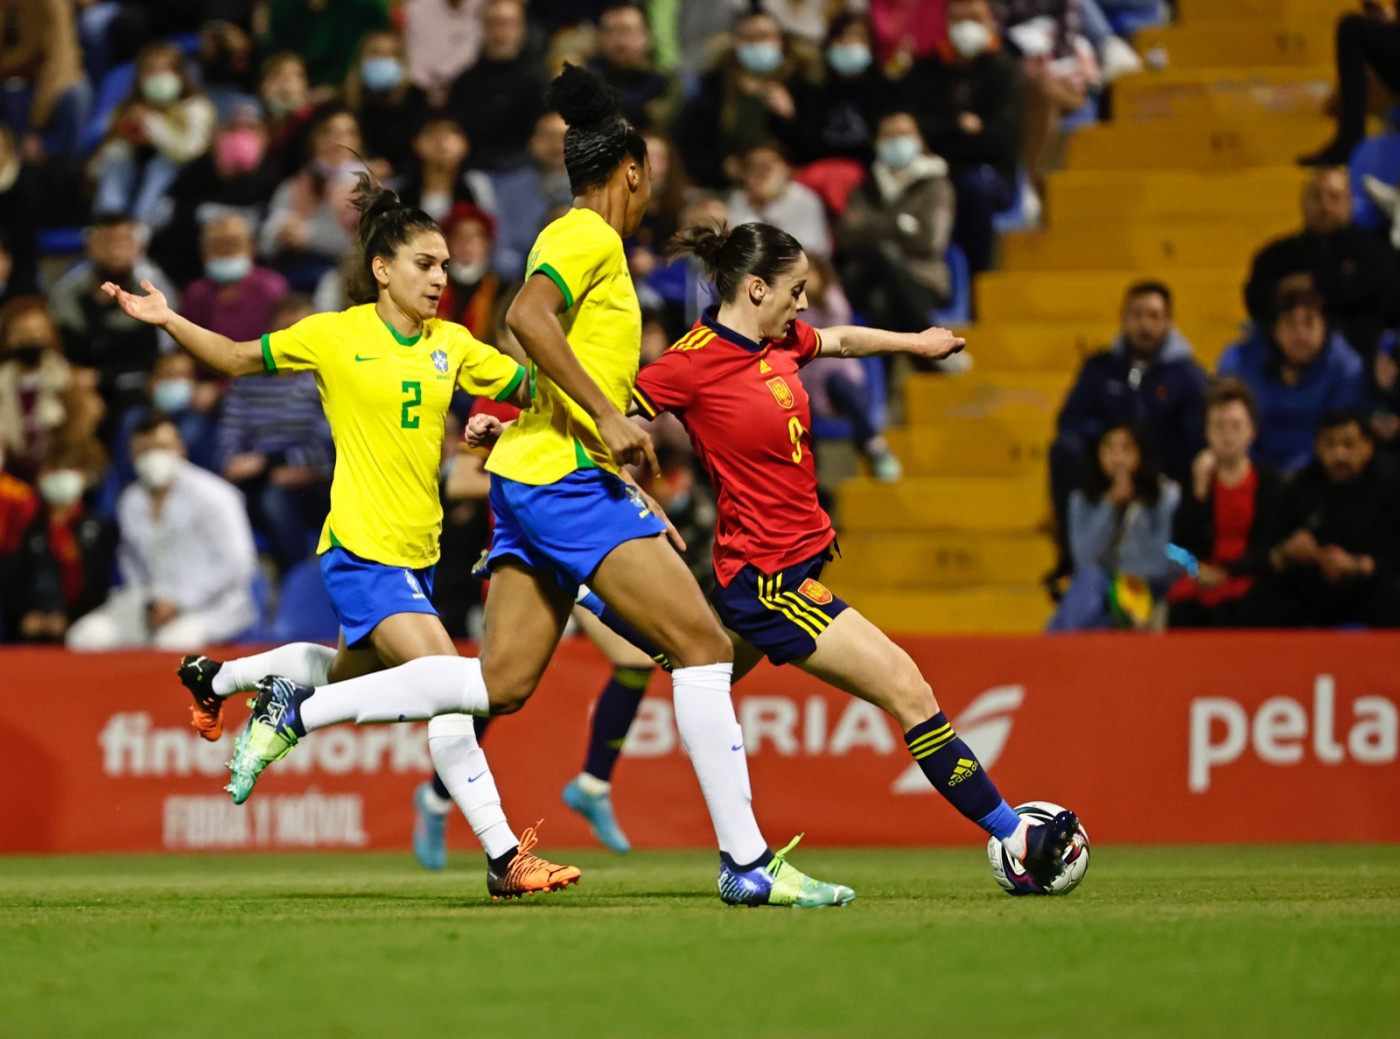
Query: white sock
[(461, 764), (412, 692), (305, 663), (592, 785), (712, 737)]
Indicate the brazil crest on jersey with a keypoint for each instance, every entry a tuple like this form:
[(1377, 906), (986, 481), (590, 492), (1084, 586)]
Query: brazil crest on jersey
[(750, 420)]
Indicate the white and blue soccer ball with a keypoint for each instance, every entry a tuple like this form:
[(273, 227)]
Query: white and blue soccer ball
[(1008, 873)]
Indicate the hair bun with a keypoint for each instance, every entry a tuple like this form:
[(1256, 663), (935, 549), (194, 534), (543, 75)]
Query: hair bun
[(582, 97)]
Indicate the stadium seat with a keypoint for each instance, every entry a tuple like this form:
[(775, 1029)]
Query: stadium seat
[(1126, 23), (1377, 157), (824, 428), (958, 312), (304, 612), (115, 85), (1017, 216)]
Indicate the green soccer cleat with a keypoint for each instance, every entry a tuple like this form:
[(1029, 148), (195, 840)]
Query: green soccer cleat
[(269, 735), (780, 884)]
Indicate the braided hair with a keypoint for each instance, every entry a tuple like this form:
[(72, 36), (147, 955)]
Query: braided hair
[(386, 223), (599, 137)]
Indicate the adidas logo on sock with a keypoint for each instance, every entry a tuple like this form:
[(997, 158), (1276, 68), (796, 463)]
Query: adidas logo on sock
[(964, 768)]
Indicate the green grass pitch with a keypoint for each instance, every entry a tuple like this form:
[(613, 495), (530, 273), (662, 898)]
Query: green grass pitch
[(1244, 941)]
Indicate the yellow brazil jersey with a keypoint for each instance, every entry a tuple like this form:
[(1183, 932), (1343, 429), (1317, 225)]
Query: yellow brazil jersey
[(583, 255), (386, 399)]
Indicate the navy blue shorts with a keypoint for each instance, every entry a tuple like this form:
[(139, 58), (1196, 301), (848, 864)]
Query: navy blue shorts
[(567, 527), (781, 614), (364, 593)]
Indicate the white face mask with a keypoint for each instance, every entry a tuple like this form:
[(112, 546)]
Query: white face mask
[(969, 38), (467, 275), (157, 467), (61, 487)]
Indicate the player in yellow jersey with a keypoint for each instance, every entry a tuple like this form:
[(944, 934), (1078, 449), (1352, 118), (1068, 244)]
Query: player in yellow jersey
[(565, 517), (386, 370)]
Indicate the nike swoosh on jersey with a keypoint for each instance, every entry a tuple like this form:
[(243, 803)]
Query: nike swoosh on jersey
[(359, 358)]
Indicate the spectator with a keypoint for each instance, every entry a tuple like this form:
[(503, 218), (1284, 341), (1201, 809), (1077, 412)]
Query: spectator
[(13, 284), (686, 38), (162, 125), (35, 384), (236, 297), (286, 98), (326, 35), (526, 194), (310, 222), (1297, 369), (839, 386), (753, 94), (1225, 517), (1366, 43), (473, 289), (96, 333), (21, 205), (185, 554), (443, 38), (1149, 376), (227, 62), (437, 178), (44, 97), (769, 195), (1120, 524), (842, 112), (1385, 423), (804, 20), (907, 30), (970, 105), (172, 392), (1334, 558), (273, 443), (389, 108), (1355, 272), (18, 507), (499, 99), (896, 229), (64, 565), (1115, 55), (624, 60), (237, 177)]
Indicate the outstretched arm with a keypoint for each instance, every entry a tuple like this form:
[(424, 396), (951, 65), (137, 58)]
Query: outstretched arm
[(853, 341), (209, 348)]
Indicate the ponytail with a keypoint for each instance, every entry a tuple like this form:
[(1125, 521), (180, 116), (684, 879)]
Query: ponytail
[(385, 225), (730, 255)]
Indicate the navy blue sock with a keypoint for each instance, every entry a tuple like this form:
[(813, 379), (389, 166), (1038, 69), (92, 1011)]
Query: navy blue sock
[(956, 773), (757, 863), (480, 725), (617, 706), (604, 613), (440, 788)]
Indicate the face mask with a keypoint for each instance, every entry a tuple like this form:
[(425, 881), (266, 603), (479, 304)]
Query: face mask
[(849, 59), (381, 74), (160, 88), (467, 275), (969, 38), (172, 395), (897, 152), (62, 487), (759, 58), (239, 151), (276, 107), (28, 356), (156, 468), (228, 269)]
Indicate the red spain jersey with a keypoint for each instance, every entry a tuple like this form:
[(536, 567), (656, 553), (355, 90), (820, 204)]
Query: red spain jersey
[(748, 416)]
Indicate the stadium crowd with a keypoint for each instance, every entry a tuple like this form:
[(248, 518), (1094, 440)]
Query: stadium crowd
[(209, 147)]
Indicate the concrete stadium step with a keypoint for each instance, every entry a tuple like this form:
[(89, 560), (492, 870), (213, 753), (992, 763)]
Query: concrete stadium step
[(1195, 11), (1015, 609), (1212, 294), (1103, 196), (1020, 346), (1196, 93), (1217, 144), (927, 503), (943, 559), (1300, 38), (1068, 246), (941, 394), (936, 449)]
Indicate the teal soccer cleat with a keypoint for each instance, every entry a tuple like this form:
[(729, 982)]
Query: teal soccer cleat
[(269, 735), (598, 810), (429, 830)]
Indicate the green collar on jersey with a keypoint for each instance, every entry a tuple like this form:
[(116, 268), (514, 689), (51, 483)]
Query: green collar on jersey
[(402, 340)]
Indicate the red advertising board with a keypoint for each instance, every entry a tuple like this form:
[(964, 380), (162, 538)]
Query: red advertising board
[(1183, 738)]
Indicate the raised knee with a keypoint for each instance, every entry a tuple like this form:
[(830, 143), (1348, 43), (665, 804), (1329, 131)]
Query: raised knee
[(508, 695)]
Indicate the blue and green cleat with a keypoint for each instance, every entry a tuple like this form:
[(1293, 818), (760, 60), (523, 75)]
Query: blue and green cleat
[(598, 810), (780, 884), (269, 736)]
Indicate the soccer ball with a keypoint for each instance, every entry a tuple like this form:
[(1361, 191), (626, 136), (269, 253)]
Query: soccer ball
[(1076, 858)]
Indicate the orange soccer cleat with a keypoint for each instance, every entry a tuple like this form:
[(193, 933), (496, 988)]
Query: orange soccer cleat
[(197, 675), (528, 874)]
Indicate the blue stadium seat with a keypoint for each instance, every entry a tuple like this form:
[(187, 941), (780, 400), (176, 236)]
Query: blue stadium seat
[(1378, 157), (825, 428), (115, 85), (958, 312), (1126, 23), (1014, 217), (304, 613)]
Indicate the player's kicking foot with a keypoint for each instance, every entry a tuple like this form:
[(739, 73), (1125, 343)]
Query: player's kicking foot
[(598, 810), (780, 884), (527, 874), (206, 714), (1041, 850), (429, 829), (269, 736)]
